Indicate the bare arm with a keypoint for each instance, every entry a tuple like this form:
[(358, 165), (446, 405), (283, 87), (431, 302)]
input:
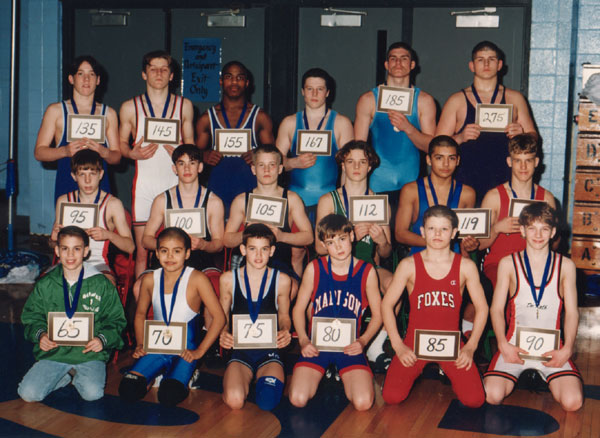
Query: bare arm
[(285, 135), (507, 225), (523, 122), (408, 203), (112, 154), (51, 124), (324, 207), (265, 128), (225, 299), (122, 239), (365, 109), (141, 312), (344, 131), (215, 215), (237, 216), (374, 297), (304, 235), (283, 311), (187, 122), (427, 112), (299, 311), (449, 123), (57, 226), (127, 126), (155, 221)]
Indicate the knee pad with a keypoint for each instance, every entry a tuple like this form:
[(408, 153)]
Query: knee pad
[(171, 392), (268, 392), (133, 387)]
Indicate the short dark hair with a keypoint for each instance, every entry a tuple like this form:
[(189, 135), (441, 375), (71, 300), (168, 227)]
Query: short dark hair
[(441, 211), (86, 159), (442, 141), (538, 211), (239, 64), (317, 73), (73, 231), (258, 231), (331, 225), (487, 45), (368, 150), (163, 54), (74, 67), (174, 233), (267, 149), (401, 45), (526, 143), (191, 150)]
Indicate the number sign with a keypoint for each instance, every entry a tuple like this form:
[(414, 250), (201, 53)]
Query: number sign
[(190, 220), (517, 205), (395, 99), (475, 222), (437, 345), (266, 209), (78, 330), (81, 215), (537, 342), (85, 126), (165, 339), (233, 141), (372, 208), (162, 131), (261, 333), (314, 142), (493, 117), (332, 334)]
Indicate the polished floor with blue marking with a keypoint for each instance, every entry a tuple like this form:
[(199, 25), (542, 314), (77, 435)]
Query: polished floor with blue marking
[(430, 411)]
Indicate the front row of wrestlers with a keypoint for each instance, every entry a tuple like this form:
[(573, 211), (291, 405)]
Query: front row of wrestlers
[(338, 285)]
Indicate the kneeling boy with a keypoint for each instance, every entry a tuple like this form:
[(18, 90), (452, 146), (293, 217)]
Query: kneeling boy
[(176, 293), (253, 290), (435, 279), (337, 286), (73, 286)]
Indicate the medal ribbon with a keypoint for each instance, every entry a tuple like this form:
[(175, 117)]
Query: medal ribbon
[(336, 308), (254, 309), (240, 120), (180, 202), (71, 307), (95, 200), (346, 204), (320, 123), (164, 113), (515, 193), (434, 195), (173, 296), (476, 96), (537, 298), (76, 111)]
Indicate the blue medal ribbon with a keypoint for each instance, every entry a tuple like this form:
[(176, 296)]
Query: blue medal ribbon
[(95, 200), (180, 202), (173, 297), (320, 123), (71, 306), (346, 203), (537, 298), (240, 120), (476, 96), (336, 308), (434, 195), (515, 193), (76, 111), (252, 308), (164, 113)]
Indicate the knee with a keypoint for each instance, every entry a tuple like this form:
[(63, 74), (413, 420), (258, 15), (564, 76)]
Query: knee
[(571, 402), (30, 393), (363, 402), (298, 397), (494, 396), (171, 392), (234, 399), (269, 390), (474, 400), (91, 391), (133, 387)]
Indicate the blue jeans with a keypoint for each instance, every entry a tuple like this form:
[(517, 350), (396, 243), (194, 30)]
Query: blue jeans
[(46, 376)]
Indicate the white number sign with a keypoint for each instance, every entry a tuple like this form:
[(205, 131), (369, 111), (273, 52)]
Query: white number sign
[(517, 205), (85, 126), (164, 339), (81, 215), (314, 142), (161, 131), (396, 99), (373, 209), (537, 342), (190, 220), (437, 345), (261, 333), (332, 334), (493, 117), (78, 330), (233, 141), (473, 222), (266, 209)]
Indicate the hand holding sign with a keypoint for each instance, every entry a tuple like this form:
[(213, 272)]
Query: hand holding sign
[(80, 126), (493, 117)]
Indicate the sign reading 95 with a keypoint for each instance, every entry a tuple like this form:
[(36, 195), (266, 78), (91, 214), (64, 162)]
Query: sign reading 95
[(85, 126), (473, 222), (537, 342), (164, 339), (190, 220), (493, 117), (78, 330), (314, 142), (437, 344), (233, 141), (370, 208), (332, 334), (395, 99), (261, 333), (266, 209), (161, 131), (84, 216)]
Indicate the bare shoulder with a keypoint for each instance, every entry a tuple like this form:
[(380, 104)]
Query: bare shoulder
[(148, 280), (513, 96), (284, 281), (226, 278), (367, 98), (213, 199), (468, 267), (115, 203), (491, 199), (567, 267), (406, 266), (288, 124), (425, 98), (549, 198), (54, 109), (342, 120), (127, 110), (455, 101), (199, 277)]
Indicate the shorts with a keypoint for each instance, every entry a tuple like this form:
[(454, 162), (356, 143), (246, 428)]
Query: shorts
[(255, 359), (170, 366), (512, 371), (342, 361)]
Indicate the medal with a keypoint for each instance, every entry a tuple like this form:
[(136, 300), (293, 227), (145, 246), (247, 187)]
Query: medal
[(252, 308), (167, 318), (70, 307), (320, 123), (537, 298), (240, 120), (434, 194), (180, 202), (164, 113)]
